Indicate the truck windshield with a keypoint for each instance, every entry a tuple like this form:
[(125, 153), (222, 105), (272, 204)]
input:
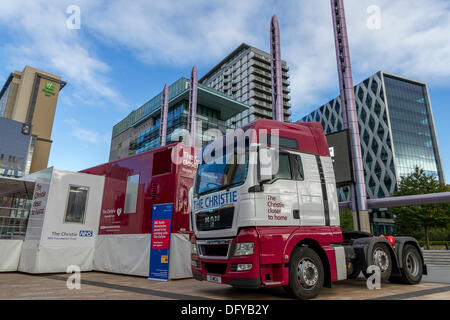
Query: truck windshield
[(229, 171)]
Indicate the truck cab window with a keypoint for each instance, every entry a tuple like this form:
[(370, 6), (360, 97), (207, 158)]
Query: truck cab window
[(284, 168), (297, 167)]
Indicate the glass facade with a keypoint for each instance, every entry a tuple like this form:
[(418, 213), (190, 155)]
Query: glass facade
[(3, 101), (412, 127), (397, 133), (177, 119)]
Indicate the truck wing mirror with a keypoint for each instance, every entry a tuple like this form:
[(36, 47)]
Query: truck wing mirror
[(268, 164)]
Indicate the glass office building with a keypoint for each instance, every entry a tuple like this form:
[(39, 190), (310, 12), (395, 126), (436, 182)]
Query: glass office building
[(139, 131), (397, 133)]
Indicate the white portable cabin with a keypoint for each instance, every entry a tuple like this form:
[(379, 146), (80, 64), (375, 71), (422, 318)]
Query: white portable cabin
[(62, 224)]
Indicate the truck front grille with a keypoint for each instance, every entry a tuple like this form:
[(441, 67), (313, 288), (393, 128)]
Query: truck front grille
[(214, 249)]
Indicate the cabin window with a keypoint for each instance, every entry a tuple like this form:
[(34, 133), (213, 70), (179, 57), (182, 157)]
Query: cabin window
[(131, 194), (76, 204), (284, 168), (297, 167), (282, 141)]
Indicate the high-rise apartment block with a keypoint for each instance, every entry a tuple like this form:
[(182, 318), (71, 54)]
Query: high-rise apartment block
[(245, 75), (28, 97)]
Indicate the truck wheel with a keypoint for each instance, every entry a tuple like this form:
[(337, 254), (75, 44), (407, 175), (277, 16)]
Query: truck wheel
[(306, 275), (412, 265), (380, 257)]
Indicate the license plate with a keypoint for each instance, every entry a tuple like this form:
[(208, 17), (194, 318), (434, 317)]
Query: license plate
[(212, 278)]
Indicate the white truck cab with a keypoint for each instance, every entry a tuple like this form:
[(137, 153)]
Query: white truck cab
[(265, 213)]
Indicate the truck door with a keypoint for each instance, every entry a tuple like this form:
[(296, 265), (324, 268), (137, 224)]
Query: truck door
[(309, 190), (279, 199)]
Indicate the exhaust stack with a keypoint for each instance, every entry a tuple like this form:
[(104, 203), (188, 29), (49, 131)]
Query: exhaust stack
[(192, 106), (275, 63), (163, 118)]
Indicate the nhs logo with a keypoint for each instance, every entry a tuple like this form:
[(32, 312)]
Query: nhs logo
[(86, 233)]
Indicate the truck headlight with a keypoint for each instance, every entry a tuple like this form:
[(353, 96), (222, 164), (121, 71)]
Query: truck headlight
[(243, 249), (194, 249)]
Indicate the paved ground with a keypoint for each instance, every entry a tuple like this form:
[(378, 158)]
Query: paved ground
[(437, 274), (96, 285)]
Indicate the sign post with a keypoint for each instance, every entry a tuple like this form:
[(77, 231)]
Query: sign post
[(160, 245)]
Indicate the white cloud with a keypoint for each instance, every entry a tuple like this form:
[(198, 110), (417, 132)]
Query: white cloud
[(41, 39), (177, 32), (84, 134), (414, 39)]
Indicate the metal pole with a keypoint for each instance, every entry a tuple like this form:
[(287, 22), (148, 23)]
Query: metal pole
[(275, 63), (413, 200), (192, 106), (348, 105), (163, 117)]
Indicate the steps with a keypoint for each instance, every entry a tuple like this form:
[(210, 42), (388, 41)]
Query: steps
[(437, 257)]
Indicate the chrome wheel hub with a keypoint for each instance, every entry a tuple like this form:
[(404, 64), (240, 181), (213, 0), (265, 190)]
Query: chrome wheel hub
[(307, 273), (381, 259)]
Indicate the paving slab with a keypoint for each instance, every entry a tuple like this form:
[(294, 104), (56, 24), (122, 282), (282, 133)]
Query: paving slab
[(107, 286)]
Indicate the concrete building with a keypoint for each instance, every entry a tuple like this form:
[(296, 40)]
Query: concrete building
[(139, 131), (30, 97), (397, 133), (245, 75)]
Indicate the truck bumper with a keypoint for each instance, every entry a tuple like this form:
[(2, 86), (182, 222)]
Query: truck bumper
[(245, 283), (230, 269)]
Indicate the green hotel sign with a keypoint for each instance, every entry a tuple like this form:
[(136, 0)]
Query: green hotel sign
[(49, 89)]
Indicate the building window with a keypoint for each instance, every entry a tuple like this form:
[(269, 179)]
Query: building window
[(76, 204), (131, 194)]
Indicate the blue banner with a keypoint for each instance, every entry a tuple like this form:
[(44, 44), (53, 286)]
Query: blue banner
[(160, 241)]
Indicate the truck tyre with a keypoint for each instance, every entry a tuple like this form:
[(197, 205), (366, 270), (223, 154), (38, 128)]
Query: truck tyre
[(306, 274), (412, 266), (381, 257)]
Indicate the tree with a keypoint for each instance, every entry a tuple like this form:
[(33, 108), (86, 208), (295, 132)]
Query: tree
[(346, 218), (410, 218)]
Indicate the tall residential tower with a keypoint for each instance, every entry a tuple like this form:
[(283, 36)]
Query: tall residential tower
[(245, 75)]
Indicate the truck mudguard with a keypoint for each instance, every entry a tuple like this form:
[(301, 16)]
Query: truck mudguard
[(363, 246)]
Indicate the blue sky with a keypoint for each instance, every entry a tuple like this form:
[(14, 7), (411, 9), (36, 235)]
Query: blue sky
[(124, 53)]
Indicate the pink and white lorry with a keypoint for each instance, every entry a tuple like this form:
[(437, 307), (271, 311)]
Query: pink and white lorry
[(259, 223)]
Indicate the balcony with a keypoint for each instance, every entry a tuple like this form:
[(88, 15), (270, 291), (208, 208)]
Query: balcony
[(286, 97), (255, 78), (260, 72), (258, 104), (286, 82), (286, 89), (263, 88), (261, 65), (262, 96), (261, 57)]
